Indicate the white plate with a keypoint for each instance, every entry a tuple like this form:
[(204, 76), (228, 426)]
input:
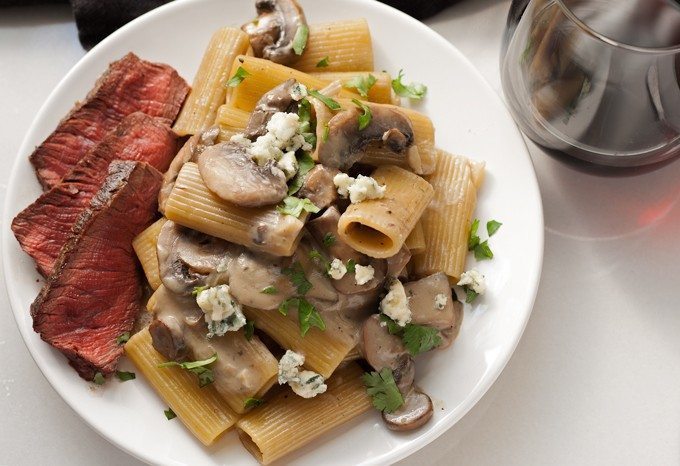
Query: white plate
[(470, 119)]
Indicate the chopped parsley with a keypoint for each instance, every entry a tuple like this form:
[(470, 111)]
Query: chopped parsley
[(297, 277), (252, 402), (470, 294), (412, 91), (123, 338), (330, 103), (492, 227), (300, 39), (271, 289), (308, 315), (238, 77), (328, 239), (416, 338), (295, 206), (326, 132), (351, 266), (198, 289), (307, 127), (483, 251), (365, 117), (124, 376), (305, 164), (169, 414), (383, 390), (318, 257), (249, 329), (361, 83), (98, 378), (323, 63), (205, 374)]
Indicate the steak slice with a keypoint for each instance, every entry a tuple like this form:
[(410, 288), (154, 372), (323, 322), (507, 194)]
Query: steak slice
[(129, 85), (45, 226), (93, 295)]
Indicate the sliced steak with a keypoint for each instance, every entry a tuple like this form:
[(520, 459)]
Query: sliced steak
[(45, 226), (93, 295), (129, 85)]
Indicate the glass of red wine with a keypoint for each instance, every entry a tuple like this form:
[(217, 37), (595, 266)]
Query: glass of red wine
[(596, 79)]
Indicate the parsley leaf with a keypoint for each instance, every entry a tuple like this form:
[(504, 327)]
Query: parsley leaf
[(123, 338), (249, 329), (483, 251), (392, 326), (98, 378), (323, 63), (420, 338), (473, 239), (285, 305), (305, 164), (309, 317), (383, 389), (492, 227), (271, 289), (198, 289), (330, 103), (297, 277), (412, 91), (252, 402), (238, 77), (124, 376), (295, 206), (170, 414), (317, 256), (328, 239), (326, 132), (470, 294), (361, 83), (205, 374), (351, 266), (364, 118), (300, 39)]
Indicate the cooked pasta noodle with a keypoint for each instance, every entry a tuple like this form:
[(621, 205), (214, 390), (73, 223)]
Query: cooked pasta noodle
[(379, 227), (145, 248), (380, 92), (415, 242)]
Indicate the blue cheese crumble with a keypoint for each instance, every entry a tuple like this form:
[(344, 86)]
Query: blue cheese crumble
[(473, 280), (358, 189), (222, 312), (440, 301), (395, 304), (337, 269), (306, 384), (363, 274)]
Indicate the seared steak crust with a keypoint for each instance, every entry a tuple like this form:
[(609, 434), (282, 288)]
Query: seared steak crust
[(129, 85), (93, 294)]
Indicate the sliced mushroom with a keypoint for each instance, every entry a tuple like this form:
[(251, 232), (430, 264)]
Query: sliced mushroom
[(229, 172), (397, 263), (188, 153), (319, 188), (415, 412), (188, 259), (278, 99), (167, 338), (251, 273), (345, 143), (422, 296), (272, 33)]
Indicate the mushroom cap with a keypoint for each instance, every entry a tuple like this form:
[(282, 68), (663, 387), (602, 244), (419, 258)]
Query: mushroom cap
[(346, 142), (187, 258), (318, 186), (167, 338), (276, 100), (272, 34), (230, 173), (250, 273), (415, 412)]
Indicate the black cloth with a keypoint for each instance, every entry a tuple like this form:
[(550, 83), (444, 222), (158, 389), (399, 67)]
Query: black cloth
[(96, 19)]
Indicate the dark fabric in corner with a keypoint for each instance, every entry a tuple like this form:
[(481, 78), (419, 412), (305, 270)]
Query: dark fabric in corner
[(96, 19)]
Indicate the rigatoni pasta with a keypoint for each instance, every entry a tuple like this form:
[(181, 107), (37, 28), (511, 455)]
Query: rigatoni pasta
[(285, 423), (201, 410), (415, 242), (379, 227), (264, 229), (380, 91), (446, 222), (209, 86), (346, 45), (145, 248)]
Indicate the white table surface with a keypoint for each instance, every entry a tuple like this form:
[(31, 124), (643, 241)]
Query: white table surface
[(596, 376)]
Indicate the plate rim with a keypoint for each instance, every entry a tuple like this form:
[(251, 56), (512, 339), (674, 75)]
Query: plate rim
[(398, 453)]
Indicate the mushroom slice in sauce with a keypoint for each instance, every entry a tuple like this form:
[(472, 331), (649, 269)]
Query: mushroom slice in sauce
[(188, 259), (447, 318), (318, 186), (397, 263), (346, 142), (415, 412), (272, 33), (167, 338), (277, 100), (250, 274), (230, 173), (188, 153)]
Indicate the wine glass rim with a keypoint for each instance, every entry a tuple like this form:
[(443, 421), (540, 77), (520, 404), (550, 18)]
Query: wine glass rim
[(598, 35)]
